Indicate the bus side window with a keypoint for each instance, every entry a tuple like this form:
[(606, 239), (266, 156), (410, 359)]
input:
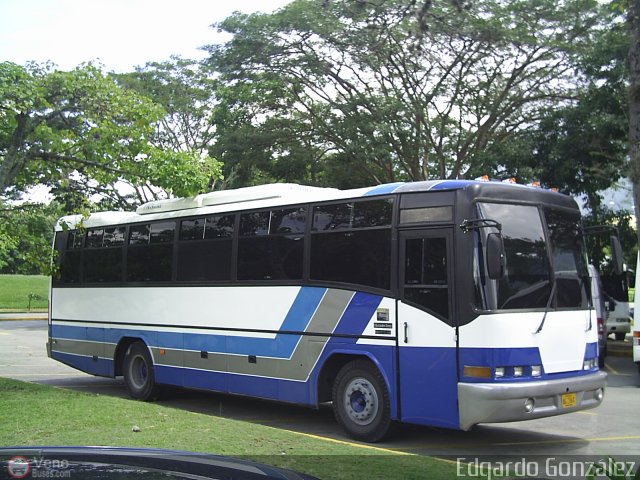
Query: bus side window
[(205, 248), (102, 259), (271, 245), (425, 276), (150, 252), (71, 257)]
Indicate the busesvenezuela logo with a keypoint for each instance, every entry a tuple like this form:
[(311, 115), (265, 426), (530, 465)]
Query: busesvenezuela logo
[(18, 467)]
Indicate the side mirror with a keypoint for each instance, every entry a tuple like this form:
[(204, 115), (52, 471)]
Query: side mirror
[(495, 256), (616, 253)]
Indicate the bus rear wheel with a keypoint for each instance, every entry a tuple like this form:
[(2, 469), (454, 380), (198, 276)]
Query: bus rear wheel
[(361, 401), (138, 372)]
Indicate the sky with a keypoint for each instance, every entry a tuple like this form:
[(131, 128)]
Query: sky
[(120, 34)]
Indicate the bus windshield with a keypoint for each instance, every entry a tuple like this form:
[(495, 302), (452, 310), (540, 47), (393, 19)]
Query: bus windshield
[(533, 261)]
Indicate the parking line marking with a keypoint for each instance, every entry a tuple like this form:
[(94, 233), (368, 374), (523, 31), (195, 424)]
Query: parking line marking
[(352, 444), (371, 447), (611, 369), (587, 413)]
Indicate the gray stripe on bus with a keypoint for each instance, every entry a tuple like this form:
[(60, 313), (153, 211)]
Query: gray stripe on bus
[(83, 347)]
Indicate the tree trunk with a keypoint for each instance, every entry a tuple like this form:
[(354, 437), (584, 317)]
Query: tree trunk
[(634, 106), (14, 159)]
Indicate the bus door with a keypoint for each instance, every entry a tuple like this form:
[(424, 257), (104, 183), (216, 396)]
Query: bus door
[(427, 375)]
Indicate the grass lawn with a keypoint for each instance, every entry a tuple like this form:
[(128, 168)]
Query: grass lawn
[(43, 415), (16, 289)]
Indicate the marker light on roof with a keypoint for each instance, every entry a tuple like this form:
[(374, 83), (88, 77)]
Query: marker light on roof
[(534, 184), (483, 178), (509, 180)]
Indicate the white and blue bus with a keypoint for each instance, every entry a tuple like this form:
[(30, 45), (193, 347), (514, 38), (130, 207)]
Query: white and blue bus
[(442, 303)]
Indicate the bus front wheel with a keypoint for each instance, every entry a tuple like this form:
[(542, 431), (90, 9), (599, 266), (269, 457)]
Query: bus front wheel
[(361, 401), (138, 372)]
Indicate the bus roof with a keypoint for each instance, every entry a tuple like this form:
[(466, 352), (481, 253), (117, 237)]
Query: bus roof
[(265, 196)]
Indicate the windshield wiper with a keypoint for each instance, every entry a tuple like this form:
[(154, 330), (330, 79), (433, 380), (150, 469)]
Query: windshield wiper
[(546, 309)]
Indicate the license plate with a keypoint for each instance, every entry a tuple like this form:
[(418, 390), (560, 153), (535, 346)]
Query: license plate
[(568, 400)]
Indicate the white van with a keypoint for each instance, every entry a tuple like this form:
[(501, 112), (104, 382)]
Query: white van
[(616, 292), (597, 298)]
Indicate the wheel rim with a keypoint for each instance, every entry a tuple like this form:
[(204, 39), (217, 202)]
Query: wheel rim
[(361, 401), (139, 372)]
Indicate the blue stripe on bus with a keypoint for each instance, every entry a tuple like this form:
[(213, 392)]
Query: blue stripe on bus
[(383, 189), (259, 387), (499, 357), (453, 184), (282, 346), (591, 351), (357, 315), (514, 357)]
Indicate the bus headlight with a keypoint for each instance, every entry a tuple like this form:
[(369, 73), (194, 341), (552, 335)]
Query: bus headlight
[(517, 371), (499, 372), (536, 370)]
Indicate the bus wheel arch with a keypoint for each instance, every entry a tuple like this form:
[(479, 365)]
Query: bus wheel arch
[(330, 369), (138, 370), (361, 402), (121, 349)]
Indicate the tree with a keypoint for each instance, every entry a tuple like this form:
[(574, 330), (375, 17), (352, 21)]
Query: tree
[(633, 19), (185, 90), (79, 129), (26, 235), (369, 86), (580, 148)]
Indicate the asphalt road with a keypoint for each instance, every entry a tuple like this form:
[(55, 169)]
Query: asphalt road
[(611, 429)]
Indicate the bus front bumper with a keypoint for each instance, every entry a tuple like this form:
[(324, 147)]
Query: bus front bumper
[(513, 402)]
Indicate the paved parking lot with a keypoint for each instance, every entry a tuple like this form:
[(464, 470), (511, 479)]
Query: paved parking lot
[(612, 429)]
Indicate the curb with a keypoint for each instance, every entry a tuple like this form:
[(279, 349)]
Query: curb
[(11, 319)]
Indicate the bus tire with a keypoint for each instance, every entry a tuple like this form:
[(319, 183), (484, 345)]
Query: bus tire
[(138, 372), (361, 401), (620, 335)]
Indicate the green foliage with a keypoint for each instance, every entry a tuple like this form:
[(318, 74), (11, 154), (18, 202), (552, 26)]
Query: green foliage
[(598, 246), (185, 90), (369, 87), (26, 236), (582, 148), (182, 173), (80, 132)]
